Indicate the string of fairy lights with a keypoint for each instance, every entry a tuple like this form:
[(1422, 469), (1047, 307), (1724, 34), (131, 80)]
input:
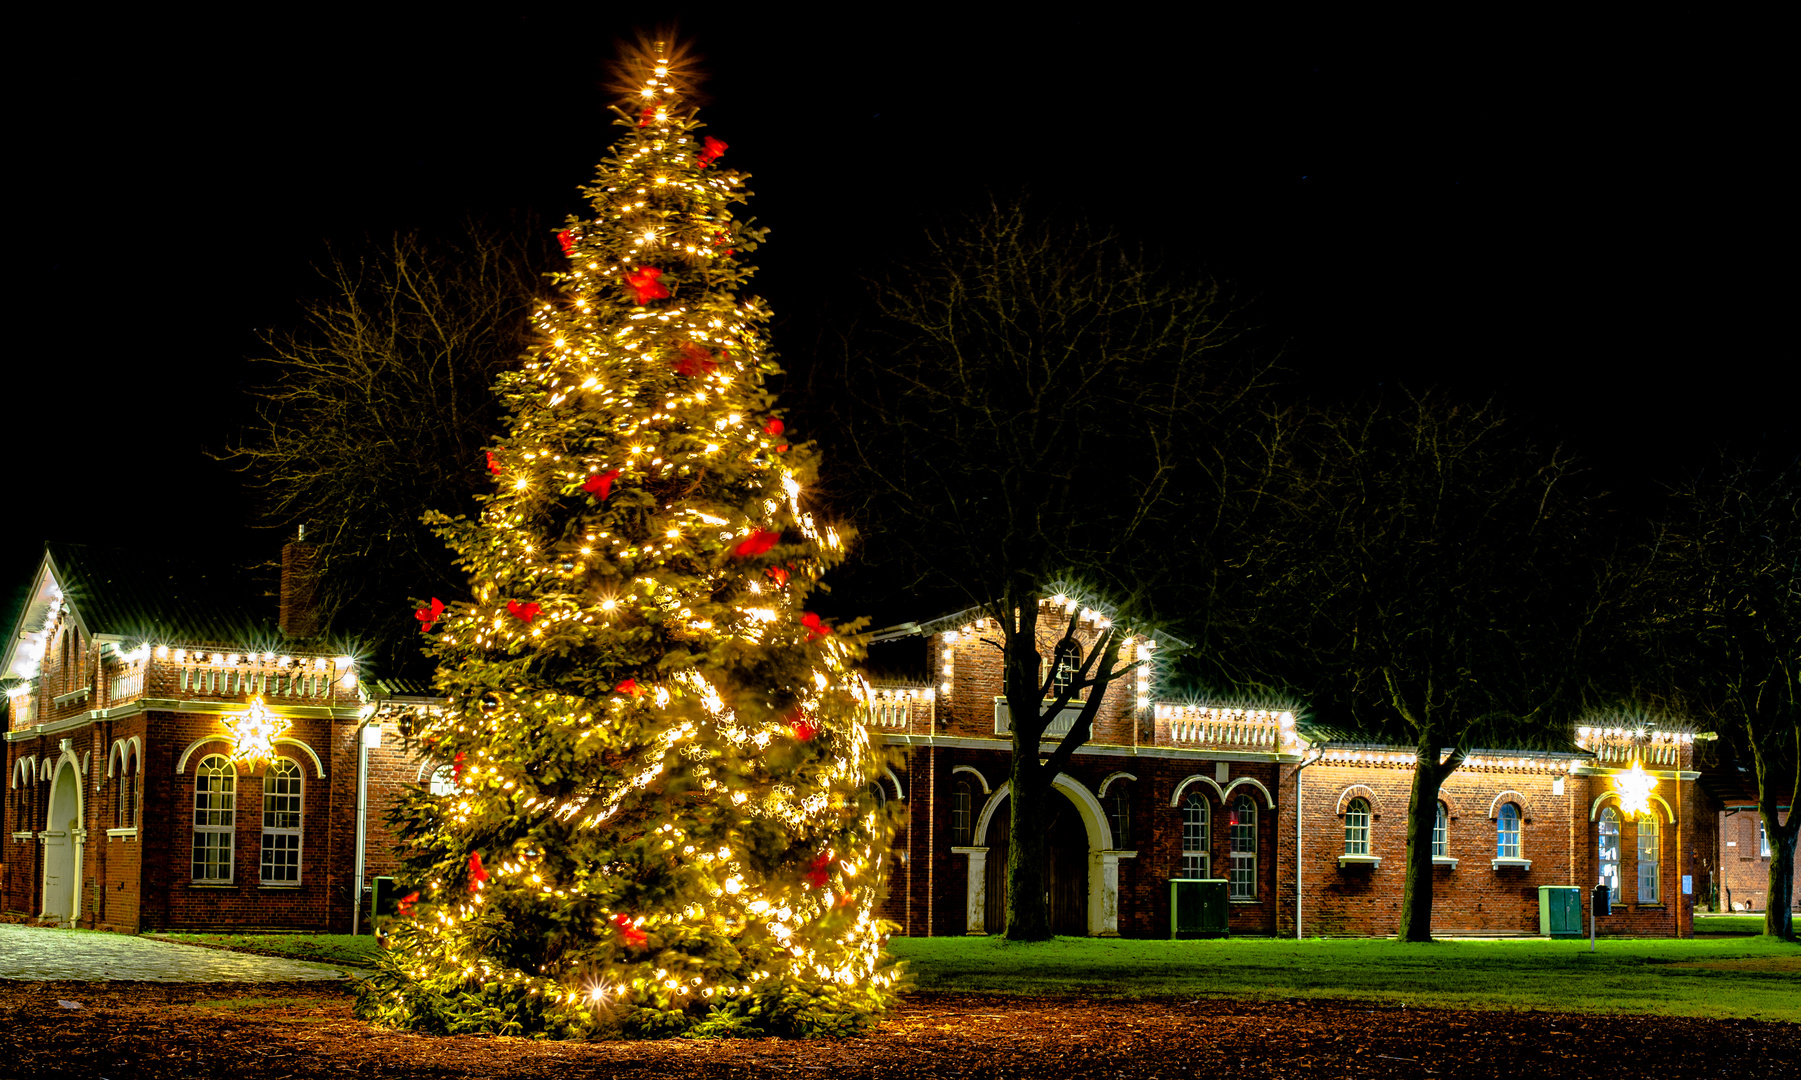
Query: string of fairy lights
[(642, 400)]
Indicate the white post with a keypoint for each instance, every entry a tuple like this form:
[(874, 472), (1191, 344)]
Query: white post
[(977, 891)]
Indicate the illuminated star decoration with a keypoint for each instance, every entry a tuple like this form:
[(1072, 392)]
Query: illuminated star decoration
[(1635, 790), (642, 284), (254, 732), (429, 616)]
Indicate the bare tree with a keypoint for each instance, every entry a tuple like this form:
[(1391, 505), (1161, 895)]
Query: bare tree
[(377, 409), (1037, 405), (1724, 609), (1424, 572)]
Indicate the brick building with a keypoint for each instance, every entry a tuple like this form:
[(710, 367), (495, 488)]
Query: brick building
[(1308, 832), (126, 801), (127, 805), (1744, 861)]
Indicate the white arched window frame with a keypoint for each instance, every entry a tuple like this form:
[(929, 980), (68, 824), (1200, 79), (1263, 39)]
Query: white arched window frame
[(443, 781), (1650, 859), (1507, 832), (215, 819), (1195, 854), (1243, 871), (284, 796), (1357, 827), (1607, 850)]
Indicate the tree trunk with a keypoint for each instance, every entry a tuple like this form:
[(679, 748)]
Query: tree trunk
[(1779, 902), (1422, 815), (1028, 917)]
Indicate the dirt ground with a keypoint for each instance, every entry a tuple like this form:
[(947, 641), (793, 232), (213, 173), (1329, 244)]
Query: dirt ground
[(273, 1031)]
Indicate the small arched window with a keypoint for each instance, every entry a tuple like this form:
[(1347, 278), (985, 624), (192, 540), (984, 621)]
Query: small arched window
[(1441, 833), (962, 806), (215, 818), (282, 790), (1650, 852), (125, 798), (443, 780), (877, 793), (1608, 850), (1243, 872), (1195, 855), (1357, 827), (1119, 813), (1507, 832)]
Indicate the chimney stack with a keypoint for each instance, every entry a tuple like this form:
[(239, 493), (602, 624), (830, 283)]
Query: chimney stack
[(299, 588)]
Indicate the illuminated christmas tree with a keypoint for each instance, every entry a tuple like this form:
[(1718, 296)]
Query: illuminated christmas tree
[(661, 820)]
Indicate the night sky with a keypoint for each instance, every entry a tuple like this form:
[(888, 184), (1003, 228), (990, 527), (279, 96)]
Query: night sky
[(1581, 228)]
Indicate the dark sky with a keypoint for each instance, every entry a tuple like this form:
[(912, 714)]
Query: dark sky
[(1584, 228)]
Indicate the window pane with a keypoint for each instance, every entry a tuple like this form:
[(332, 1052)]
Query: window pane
[(1440, 833), (1243, 872), (1609, 851), (1194, 837), (960, 816), (1648, 851), (1507, 832), (1357, 828)]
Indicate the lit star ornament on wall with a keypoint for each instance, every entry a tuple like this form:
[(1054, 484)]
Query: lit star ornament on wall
[(253, 733), (1635, 790)]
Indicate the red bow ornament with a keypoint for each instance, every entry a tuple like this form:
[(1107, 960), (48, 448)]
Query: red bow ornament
[(645, 117), (778, 574), (493, 463), (629, 686), (643, 285), (429, 616), (711, 148), (695, 361), (525, 613), (601, 484), (456, 764), (633, 936), (756, 543), (568, 241), (818, 871), (476, 874), (404, 908), (815, 628)]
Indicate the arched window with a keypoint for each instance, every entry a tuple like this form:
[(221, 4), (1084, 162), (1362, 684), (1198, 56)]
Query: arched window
[(215, 818), (125, 798), (1194, 837), (1763, 841), (1441, 833), (1243, 872), (1067, 661), (1357, 827), (443, 780), (1119, 813), (1649, 850), (281, 823), (877, 793), (962, 803), (1608, 851), (1507, 832)]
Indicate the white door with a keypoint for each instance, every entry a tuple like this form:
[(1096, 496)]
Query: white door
[(59, 843)]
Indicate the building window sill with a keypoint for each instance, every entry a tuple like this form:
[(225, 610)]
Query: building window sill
[(1440, 860), (1251, 901), (26, 835), (1512, 864), (284, 886), (1359, 860), (126, 834), (212, 885)]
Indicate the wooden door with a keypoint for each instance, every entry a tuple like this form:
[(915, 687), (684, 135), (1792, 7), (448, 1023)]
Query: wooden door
[(1065, 870)]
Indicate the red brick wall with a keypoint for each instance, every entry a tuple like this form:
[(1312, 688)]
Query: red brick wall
[(1744, 868)]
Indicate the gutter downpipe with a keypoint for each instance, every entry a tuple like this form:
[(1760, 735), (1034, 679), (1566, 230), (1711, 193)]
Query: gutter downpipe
[(362, 819), (1298, 862)]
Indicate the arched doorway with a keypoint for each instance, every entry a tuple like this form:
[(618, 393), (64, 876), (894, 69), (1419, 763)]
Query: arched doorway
[(1065, 869), (62, 831)]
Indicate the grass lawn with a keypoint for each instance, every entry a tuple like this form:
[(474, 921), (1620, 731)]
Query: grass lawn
[(1722, 977), (1729, 924), (358, 951)]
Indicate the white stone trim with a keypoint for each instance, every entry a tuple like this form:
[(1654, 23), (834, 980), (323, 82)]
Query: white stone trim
[(899, 792), (1105, 784), (1269, 800), (1519, 800), (24, 769), (181, 763), (1103, 858), (1175, 800), (318, 766), (977, 773)]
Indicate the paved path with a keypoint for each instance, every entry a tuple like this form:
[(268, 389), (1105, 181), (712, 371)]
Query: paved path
[(41, 954)]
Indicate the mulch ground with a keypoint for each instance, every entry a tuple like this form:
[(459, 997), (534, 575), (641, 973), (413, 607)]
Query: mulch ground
[(273, 1031)]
